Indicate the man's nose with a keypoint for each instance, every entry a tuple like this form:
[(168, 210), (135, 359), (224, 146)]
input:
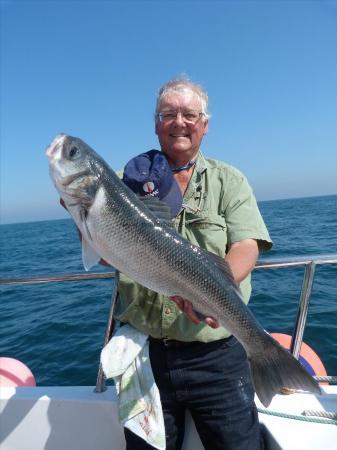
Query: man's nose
[(180, 120)]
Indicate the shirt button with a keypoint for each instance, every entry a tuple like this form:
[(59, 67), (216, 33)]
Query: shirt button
[(168, 311)]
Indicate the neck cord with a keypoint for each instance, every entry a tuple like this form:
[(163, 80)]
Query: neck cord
[(184, 167)]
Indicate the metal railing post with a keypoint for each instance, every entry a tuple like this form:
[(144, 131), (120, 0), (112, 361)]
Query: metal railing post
[(297, 336), (100, 382)]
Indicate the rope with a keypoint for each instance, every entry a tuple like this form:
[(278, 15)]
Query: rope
[(326, 414), (329, 418), (297, 417), (330, 379)]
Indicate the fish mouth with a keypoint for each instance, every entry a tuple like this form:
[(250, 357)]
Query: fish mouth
[(54, 148)]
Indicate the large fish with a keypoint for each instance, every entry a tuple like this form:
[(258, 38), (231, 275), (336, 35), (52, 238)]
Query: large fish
[(120, 228)]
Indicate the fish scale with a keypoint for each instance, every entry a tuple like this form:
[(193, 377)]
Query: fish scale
[(118, 227)]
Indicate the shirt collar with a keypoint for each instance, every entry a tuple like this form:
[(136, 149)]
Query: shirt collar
[(201, 163)]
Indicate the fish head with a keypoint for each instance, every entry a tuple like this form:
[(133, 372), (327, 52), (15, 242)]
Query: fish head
[(75, 169)]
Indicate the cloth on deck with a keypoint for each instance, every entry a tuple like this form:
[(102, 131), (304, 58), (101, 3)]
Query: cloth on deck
[(126, 359)]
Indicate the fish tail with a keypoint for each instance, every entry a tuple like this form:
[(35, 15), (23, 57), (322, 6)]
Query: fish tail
[(276, 368)]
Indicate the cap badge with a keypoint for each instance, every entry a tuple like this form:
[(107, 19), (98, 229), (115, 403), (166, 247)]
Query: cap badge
[(148, 187)]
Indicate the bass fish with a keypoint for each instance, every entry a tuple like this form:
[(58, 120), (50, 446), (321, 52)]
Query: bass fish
[(119, 227)]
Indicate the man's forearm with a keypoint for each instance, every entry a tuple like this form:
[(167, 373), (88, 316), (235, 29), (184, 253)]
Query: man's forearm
[(242, 257)]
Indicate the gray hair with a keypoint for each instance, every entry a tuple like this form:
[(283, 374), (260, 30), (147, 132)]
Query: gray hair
[(179, 85)]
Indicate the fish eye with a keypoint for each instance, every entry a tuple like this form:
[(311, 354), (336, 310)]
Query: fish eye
[(73, 152)]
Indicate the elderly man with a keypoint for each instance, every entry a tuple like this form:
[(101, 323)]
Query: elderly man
[(196, 364)]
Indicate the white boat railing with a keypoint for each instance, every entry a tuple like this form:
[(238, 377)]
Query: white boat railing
[(308, 262)]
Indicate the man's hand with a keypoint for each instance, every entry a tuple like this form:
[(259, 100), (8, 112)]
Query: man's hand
[(187, 308)]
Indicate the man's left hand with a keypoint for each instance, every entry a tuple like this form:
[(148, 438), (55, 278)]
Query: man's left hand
[(187, 308)]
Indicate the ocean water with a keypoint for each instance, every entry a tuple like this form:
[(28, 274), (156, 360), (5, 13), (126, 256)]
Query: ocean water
[(57, 329)]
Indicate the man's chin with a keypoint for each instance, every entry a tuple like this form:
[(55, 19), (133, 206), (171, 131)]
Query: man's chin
[(181, 147)]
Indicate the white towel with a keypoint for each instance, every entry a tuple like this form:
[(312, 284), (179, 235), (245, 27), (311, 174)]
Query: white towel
[(126, 359)]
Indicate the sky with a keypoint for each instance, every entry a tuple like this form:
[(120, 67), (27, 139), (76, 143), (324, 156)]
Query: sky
[(92, 69)]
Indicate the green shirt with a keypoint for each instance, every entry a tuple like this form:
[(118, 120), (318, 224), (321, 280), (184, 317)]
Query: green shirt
[(219, 209)]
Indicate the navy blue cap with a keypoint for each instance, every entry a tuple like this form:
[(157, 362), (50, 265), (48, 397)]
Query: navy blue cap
[(149, 174)]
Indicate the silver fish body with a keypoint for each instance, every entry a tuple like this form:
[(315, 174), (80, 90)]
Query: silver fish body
[(118, 227)]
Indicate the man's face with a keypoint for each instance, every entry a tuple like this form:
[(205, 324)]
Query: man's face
[(179, 139)]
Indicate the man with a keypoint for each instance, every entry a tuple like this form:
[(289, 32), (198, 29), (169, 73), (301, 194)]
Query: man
[(196, 364)]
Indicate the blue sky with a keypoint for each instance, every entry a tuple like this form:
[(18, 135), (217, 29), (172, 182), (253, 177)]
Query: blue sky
[(92, 70)]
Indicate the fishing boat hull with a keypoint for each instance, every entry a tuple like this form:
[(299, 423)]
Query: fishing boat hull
[(77, 418)]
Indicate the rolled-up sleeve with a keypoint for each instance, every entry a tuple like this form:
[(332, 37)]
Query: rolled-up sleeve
[(241, 212)]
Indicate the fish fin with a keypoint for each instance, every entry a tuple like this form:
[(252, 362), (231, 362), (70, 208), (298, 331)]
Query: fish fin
[(275, 368), (89, 256), (83, 218), (159, 208)]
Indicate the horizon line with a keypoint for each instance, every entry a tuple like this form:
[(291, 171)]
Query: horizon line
[(258, 201)]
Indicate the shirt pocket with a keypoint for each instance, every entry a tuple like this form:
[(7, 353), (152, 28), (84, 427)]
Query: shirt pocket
[(209, 231)]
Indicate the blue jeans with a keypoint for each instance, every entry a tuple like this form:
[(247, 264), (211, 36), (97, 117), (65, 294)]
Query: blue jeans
[(212, 381)]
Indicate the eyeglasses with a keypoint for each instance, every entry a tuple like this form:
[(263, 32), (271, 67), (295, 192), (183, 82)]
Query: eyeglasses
[(190, 116)]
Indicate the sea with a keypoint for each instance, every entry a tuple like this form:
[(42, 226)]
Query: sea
[(58, 329)]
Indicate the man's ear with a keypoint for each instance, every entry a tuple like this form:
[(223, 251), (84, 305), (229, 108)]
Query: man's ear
[(206, 127)]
